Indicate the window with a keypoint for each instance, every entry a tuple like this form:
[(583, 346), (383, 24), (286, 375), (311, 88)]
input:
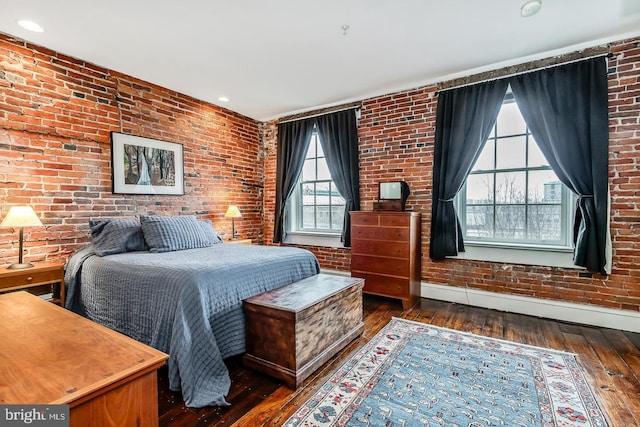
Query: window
[(512, 196), (316, 205)]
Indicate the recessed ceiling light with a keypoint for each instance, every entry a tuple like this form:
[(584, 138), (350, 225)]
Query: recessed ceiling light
[(30, 25), (530, 8), (223, 99)]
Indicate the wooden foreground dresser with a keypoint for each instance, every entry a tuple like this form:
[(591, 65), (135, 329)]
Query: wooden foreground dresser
[(49, 355), (293, 330)]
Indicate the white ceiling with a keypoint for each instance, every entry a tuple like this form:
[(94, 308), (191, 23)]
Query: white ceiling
[(277, 57)]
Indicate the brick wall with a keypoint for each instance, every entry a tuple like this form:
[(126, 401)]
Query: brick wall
[(56, 115), (396, 134)]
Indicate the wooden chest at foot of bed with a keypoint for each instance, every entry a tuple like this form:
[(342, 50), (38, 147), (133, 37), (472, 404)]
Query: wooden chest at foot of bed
[(293, 330)]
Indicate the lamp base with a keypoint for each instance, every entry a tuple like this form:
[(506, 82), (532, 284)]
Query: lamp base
[(19, 265)]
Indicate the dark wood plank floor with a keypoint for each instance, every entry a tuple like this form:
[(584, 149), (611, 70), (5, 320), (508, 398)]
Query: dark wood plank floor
[(611, 358)]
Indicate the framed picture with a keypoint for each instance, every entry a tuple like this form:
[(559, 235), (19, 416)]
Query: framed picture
[(146, 166)]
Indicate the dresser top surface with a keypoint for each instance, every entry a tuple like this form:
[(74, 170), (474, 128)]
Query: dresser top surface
[(51, 355), (407, 213)]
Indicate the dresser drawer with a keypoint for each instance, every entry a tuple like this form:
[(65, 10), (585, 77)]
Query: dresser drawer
[(380, 219), (393, 287), (380, 248), (396, 234), (27, 278), (372, 264), (394, 220), (367, 219)]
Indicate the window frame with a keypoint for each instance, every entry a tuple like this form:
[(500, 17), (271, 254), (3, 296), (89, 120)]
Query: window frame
[(524, 251), (295, 205)]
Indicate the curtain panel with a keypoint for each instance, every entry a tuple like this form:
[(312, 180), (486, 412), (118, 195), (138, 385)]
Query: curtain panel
[(464, 120), (566, 108), (293, 142), (339, 139)]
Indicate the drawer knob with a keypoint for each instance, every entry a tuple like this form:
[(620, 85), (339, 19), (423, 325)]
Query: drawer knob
[(29, 279)]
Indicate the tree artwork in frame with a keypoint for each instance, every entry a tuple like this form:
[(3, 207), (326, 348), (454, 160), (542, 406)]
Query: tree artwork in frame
[(146, 166)]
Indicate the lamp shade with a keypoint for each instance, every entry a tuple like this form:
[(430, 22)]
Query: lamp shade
[(21, 216), (233, 212)]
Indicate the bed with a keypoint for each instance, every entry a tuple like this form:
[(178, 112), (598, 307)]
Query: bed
[(185, 302)]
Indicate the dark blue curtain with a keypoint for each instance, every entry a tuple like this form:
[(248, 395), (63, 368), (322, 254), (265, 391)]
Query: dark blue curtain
[(339, 139), (464, 120), (566, 109), (293, 142)]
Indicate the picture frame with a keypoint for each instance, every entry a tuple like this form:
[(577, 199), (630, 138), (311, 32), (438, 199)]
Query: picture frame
[(142, 165)]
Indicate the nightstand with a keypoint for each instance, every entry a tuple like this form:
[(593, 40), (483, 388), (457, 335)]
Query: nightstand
[(41, 274), (239, 241)]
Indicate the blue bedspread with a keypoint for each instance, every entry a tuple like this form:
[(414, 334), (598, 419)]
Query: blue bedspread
[(185, 303)]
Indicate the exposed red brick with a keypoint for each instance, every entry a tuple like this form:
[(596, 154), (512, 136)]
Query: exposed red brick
[(56, 116)]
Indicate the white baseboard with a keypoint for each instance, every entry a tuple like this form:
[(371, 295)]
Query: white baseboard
[(625, 320)]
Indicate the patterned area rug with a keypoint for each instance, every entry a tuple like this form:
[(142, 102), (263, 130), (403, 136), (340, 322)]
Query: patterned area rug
[(415, 374)]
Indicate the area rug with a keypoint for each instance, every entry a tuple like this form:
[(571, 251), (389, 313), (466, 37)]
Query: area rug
[(415, 374)]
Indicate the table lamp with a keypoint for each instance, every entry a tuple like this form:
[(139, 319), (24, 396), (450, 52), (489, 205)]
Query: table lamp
[(233, 212), (21, 216)]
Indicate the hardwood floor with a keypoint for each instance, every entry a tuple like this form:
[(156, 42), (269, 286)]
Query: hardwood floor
[(610, 357)]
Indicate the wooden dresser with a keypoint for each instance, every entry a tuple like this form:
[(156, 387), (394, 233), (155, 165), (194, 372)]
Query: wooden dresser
[(50, 355), (385, 252)]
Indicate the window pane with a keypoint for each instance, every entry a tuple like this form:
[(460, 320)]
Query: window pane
[(319, 147), (322, 218), (308, 217), (536, 158), (336, 197), (544, 187), (510, 187), (311, 151), (485, 161), (545, 222), (337, 217), (510, 222), (510, 121), (308, 194), (511, 153), (479, 221), (323, 169), (480, 188), (322, 193), (309, 170)]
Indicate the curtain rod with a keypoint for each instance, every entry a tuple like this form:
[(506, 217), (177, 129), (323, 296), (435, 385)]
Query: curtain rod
[(526, 67), (320, 112)]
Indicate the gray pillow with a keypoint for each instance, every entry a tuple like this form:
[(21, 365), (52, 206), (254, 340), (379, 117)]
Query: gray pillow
[(175, 233), (209, 232), (114, 236)]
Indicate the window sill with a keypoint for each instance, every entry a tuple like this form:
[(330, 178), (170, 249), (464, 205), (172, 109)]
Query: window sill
[(313, 239), (546, 257)]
